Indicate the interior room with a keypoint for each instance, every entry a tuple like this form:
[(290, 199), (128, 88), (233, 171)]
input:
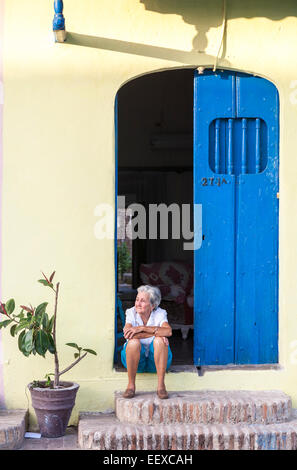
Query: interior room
[(154, 136)]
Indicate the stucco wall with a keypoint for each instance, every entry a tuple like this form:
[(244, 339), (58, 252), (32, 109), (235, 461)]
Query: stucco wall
[(58, 165)]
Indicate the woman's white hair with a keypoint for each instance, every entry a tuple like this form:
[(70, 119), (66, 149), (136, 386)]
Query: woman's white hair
[(154, 294)]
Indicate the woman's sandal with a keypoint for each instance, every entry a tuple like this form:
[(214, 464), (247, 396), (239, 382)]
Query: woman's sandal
[(162, 394), (129, 393)]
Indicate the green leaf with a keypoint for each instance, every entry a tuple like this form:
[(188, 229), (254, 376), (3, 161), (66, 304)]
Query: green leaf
[(45, 321), (73, 345), (21, 315), (48, 379), (41, 343), (45, 283), (5, 323), (41, 308), (21, 343), (20, 338), (39, 313), (51, 324), (51, 344), (76, 355), (12, 330), (23, 324), (10, 306), (90, 351), (28, 341)]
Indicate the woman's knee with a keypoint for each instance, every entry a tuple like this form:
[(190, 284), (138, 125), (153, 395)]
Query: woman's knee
[(159, 342), (133, 344)]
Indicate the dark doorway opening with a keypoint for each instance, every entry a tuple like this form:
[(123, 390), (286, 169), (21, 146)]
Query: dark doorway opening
[(155, 166)]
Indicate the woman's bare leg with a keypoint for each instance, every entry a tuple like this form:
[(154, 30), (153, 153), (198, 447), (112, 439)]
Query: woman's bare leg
[(133, 349), (160, 356)]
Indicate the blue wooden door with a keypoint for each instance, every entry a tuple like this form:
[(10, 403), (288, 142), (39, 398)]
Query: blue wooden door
[(236, 181)]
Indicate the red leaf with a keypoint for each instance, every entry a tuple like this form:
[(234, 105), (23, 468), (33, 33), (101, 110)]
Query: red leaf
[(45, 277), (52, 276), (27, 308), (3, 309), (33, 309)]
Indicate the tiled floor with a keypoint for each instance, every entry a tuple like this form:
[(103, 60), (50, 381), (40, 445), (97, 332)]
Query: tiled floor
[(67, 442)]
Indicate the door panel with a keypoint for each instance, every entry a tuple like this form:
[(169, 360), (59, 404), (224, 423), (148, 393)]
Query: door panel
[(214, 266), (236, 181), (256, 335)]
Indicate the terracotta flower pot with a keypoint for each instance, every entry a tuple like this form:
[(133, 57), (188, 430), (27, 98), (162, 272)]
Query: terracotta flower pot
[(53, 407)]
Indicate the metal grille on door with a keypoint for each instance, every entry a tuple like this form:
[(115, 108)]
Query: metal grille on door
[(238, 146)]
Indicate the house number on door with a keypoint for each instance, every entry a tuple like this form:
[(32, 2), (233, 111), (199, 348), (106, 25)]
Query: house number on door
[(213, 181)]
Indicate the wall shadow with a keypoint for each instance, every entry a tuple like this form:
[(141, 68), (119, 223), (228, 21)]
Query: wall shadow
[(209, 14), (199, 13), (202, 14), (184, 57)]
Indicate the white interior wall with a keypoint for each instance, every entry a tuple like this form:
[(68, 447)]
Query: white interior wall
[(159, 103)]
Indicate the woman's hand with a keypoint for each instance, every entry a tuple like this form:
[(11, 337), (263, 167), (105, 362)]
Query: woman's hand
[(130, 331)]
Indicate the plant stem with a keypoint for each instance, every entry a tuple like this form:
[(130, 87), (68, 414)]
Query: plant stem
[(13, 319), (73, 364), (56, 382)]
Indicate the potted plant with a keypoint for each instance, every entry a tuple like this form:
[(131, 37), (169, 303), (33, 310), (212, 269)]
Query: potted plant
[(52, 401), (124, 259)]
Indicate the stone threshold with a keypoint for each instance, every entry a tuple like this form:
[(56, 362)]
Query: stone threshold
[(177, 368), (205, 407)]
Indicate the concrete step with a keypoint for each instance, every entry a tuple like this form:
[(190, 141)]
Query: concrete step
[(205, 407), (105, 432), (13, 425)]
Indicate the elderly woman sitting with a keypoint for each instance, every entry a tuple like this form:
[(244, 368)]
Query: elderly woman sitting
[(147, 347)]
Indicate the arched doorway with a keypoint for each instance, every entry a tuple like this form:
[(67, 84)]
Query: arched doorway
[(228, 288), (155, 168)]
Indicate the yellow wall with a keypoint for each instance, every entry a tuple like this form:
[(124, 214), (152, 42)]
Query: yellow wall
[(58, 165)]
